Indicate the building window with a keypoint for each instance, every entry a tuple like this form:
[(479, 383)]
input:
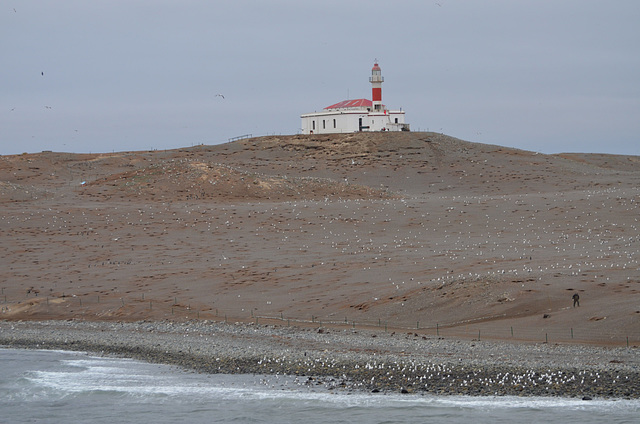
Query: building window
[(323, 125), (334, 123), (396, 120), (314, 124)]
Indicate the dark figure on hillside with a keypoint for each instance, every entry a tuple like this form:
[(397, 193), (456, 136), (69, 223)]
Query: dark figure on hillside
[(576, 300)]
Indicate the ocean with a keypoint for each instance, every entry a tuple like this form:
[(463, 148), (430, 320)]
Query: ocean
[(38, 386)]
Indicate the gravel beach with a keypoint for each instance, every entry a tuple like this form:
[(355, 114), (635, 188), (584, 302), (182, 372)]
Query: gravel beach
[(359, 360)]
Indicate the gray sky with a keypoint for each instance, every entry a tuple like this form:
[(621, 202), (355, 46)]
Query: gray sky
[(549, 76)]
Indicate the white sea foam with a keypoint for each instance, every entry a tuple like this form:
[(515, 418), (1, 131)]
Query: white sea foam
[(126, 376)]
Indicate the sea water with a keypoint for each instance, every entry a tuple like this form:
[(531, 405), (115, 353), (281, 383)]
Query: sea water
[(69, 387)]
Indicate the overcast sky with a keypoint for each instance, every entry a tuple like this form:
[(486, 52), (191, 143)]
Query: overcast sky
[(112, 75)]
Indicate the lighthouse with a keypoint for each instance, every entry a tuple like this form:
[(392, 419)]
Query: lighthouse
[(354, 115), (376, 81)]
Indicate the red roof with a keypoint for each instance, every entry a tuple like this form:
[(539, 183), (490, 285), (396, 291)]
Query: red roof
[(351, 103)]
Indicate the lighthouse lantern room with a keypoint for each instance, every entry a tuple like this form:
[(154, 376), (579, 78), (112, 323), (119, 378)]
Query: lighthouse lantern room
[(356, 115)]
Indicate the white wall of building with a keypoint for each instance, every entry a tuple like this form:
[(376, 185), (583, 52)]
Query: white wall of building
[(331, 122)]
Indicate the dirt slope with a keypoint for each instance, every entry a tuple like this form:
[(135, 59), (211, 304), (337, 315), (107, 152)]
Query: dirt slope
[(420, 231)]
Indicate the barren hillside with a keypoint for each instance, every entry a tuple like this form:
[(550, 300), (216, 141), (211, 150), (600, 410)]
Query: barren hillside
[(414, 231)]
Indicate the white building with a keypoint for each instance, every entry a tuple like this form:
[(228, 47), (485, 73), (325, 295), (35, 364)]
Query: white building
[(356, 115)]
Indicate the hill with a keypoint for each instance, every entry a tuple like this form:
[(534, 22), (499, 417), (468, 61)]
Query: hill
[(417, 231)]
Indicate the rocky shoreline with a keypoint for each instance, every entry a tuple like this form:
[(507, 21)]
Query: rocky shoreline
[(362, 360)]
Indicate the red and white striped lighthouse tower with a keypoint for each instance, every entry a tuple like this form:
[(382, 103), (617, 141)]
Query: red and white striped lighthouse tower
[(376, 80)]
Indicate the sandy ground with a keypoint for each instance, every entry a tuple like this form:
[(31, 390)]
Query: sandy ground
[(413, 231)]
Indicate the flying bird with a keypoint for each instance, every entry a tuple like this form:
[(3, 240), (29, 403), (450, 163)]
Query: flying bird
[(219, 95)]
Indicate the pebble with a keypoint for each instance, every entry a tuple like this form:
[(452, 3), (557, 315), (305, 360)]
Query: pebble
[(348, 359)]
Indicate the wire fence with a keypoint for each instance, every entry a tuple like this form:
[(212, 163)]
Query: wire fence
[(137, 307)]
